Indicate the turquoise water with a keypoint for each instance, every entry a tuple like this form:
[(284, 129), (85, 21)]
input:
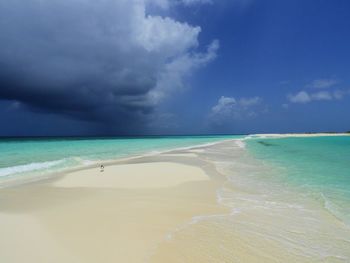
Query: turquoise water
[(288, 201), (317, 166), (288, 198), (40, 156)]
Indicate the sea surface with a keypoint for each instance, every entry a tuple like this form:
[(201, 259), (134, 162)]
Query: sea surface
[(37, 157), (288, 198), (289, 201), (317, 166)]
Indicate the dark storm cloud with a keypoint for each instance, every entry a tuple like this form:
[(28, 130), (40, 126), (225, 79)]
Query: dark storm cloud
[(95, 60)]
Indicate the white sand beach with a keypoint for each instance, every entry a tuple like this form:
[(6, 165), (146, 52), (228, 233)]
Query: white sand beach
[(135, 176), (189, 205), (119, 215), (283, 135)]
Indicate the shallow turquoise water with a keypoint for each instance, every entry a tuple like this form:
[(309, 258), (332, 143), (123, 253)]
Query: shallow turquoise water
[(21, 157), (318, 166), (287, 198)]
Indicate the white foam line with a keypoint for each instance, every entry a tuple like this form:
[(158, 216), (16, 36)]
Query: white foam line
[(28, 167), (193, 221), (240, 144)]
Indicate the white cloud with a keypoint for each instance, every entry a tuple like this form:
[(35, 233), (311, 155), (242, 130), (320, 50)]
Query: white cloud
[(322, 83), (225, 104), (192, 2), (306, 97), (322, 95), (165, 35), (172, 76), (326, 94), (300, 97), (230, 108), (166, 4), (246, 102)]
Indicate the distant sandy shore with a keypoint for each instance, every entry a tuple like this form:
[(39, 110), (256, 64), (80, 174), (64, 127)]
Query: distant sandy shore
[(280, 135), (119, 215)]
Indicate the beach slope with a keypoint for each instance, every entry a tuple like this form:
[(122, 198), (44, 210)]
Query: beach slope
[(119, 215)]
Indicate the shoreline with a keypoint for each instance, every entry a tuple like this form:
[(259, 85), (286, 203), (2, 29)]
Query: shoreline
[(119, 215), (212, 203), (14, 181), (17, 181)]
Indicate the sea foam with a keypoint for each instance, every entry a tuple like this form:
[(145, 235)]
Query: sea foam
[(240, 143), (28, 167)]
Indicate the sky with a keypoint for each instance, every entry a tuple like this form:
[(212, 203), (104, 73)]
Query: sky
[(153, 67)]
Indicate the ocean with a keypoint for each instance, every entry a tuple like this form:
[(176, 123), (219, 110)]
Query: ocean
[(317, 166), (24, 158), (288, 198), (289, 201)]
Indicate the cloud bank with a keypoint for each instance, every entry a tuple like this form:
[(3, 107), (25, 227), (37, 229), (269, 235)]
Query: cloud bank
[(104, 61)]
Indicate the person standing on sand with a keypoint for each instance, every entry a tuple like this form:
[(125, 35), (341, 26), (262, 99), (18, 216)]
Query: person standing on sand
[(102, 168)]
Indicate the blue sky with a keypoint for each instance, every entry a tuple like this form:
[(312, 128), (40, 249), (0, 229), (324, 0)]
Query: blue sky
[(239, 66)]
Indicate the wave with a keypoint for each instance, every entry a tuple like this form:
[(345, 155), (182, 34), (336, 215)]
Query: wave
[(334, 209), (240, 143), (29, 167)]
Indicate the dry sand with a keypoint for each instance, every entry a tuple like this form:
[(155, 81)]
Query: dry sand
[(135, 176), (119, 215)]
